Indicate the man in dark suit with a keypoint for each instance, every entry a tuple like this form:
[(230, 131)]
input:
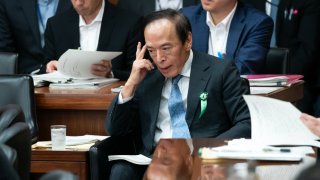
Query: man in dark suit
[(95, 25), (210, 102), (297, 28), (228, 29), (145, 7), (20, 33)]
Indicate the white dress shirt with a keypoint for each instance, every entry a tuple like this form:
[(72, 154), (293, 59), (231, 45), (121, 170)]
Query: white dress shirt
[(89, 33), (163, 125), (166, 4), (218, 35)]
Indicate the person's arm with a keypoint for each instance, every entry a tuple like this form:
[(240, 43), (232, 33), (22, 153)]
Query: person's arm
[(250, 58), (312, 123), (6, 36), (236, 107), (121, 116)]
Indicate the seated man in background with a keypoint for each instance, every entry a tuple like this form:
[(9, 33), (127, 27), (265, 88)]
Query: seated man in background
[(230, 30), (180, 94), (22, 26), (297, 28), (145, 7), (94, 25)]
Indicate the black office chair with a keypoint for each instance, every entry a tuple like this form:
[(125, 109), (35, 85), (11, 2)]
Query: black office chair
[(59, 175), (10, 114), (277, 61), (100, 166), (8, 63), (18, 137), (8, 158), (19, 89)]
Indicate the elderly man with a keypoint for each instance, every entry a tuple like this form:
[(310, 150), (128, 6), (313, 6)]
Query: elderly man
[(179, 94), (94, 25)]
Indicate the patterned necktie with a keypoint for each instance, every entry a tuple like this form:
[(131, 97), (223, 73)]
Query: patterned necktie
[(273, 14), (177, 112)]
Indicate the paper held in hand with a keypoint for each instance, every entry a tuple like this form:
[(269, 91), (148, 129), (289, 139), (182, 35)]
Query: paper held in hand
[(74, 70)]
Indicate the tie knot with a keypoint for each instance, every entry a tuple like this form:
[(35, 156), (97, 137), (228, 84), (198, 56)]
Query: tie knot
[(176, 79)]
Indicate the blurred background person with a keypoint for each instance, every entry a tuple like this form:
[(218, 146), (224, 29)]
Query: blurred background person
[(22, 26), (228, 29), (95, 25), (297, 27)]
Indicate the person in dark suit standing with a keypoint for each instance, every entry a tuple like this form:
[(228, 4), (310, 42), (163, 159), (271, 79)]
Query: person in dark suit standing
[(95, 25), (145, 7), (297, 28), (180, 94), (22, 24), (228, 29)]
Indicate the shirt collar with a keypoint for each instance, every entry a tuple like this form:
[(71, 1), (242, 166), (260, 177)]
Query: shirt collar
[(97, 19), (186, 70), (225, 22)]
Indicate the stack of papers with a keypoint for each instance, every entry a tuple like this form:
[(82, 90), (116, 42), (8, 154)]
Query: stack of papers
[(74, 70), (248, 149), (273, 123), (135, 159), (272, 79), (74, 142)]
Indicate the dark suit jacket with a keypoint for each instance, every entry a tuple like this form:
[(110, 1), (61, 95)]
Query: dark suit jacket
[(248, 40), (226, 116), (145, 7), (300, 34), (120, 31), (19, 31)]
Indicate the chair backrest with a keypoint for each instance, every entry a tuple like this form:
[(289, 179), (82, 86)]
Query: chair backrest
[(7, 162), (277, 61), (18, 137), (19, 89), (10, 114), (8, 63)]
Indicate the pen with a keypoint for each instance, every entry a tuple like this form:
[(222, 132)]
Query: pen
[(284, 150), (220, 55)]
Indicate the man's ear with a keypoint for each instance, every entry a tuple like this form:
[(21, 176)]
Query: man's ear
[(188, 42)]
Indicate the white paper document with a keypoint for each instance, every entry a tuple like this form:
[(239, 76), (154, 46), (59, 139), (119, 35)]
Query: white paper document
[(74, 70), (135, 159), (257, 153), (276, 122), (77, 63)]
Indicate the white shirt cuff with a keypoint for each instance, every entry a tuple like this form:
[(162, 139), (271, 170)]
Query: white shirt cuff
[(121, 100)]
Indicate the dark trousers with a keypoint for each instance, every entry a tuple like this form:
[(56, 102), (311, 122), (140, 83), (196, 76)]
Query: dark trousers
[(123, 170)]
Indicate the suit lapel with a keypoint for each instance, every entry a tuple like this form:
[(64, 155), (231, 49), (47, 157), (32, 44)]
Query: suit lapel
[(200, 74), (63, 5), (107, 26), (30, 11), (235, 31), (200, 32)]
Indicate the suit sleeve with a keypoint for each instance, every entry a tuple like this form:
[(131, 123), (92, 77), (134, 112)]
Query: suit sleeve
[(237, 109), (250, 58), (49, 48), (121, 118), (6, 36)]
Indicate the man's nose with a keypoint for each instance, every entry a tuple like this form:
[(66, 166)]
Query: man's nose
[(159, 56)]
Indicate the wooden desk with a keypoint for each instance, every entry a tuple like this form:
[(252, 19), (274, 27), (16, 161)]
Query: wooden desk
[(76, 162), (176, 159), (83, 111), (290, 94)]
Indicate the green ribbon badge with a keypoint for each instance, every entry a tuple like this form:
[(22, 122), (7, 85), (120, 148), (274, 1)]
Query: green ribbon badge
[(203, 100)]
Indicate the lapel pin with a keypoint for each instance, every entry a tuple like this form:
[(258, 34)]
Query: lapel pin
[(203, 101)]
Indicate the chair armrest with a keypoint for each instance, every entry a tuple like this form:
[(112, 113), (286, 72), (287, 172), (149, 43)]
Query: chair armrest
[(98, 153)]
